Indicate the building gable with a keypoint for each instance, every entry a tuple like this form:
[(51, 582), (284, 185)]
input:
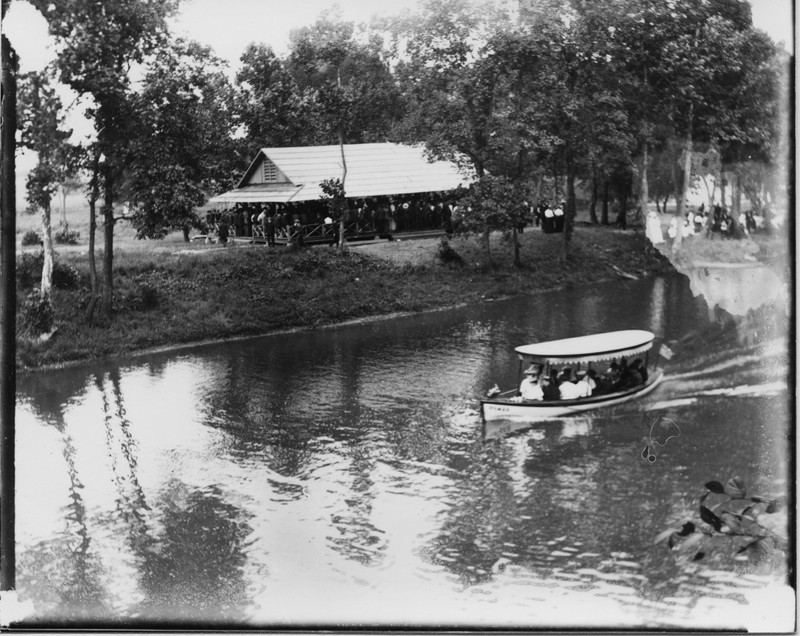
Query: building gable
[(263, 170)]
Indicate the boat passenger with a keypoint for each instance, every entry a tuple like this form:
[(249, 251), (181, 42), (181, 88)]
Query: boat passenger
[(550, 389), (638, 365), (592, 381), (584, 384), (607, 383), (530, 389), (629, 377), (567, 389)]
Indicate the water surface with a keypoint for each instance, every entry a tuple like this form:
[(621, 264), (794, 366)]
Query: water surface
[(344, 476)]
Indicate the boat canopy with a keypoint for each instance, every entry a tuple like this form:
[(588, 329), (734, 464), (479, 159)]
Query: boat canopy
[(594, 348)]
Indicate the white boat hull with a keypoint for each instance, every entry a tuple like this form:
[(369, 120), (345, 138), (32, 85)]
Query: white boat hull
[(503, 409)]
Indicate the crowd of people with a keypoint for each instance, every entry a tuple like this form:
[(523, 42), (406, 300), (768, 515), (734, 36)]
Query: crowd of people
[(289, 222), (718, 221), (570, 384)]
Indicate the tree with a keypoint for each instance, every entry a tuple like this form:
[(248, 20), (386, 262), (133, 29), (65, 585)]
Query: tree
[(464, 71), (269, 104), (493, 204), (41, 119), (580, 80), (182, 144), (348, 83), (98, 42), (698, 69)]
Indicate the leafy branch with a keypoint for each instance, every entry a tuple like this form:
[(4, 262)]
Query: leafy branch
[(755, 525)]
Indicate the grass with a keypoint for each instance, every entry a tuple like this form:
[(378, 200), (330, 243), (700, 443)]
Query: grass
[(170, 295), (170, 292)]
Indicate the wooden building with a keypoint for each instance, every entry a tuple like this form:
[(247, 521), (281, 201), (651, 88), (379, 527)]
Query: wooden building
[(286, 182)]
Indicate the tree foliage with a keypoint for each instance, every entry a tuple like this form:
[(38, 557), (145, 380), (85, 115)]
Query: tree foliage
[(345, 84), (41, 120), (269, 103), (98, 42), (182, 147)]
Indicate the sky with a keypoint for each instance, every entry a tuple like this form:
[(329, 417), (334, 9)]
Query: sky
[(229, 26)]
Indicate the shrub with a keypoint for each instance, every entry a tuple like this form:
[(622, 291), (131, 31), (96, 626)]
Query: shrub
[(65, 276), (447, 254), (35, 316), (29, 272), (65, 236), (148, 297), (31, 237)]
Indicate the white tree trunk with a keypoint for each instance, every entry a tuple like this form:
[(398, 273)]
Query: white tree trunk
[(644, 188), (687, 179), (49, 255)]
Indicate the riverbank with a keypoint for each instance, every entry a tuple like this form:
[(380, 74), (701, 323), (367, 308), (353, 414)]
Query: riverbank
[(172, 297)]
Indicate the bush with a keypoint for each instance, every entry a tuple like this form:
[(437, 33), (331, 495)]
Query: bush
[(31, 237), (64, 236), (29, 272), (35, 316), (65, 276), (148, 297), (447, 254)]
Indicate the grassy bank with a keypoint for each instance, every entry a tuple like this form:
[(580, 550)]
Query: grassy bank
[(167, 297)]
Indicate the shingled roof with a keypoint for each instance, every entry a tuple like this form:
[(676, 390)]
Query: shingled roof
[(280, 175)]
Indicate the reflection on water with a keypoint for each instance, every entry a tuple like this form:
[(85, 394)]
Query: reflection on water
[(344, 477)]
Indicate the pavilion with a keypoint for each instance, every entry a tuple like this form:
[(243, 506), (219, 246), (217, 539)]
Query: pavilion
[(294, 174)]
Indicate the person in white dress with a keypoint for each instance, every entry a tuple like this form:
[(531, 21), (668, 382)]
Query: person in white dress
[(653, 228), (530, 389)]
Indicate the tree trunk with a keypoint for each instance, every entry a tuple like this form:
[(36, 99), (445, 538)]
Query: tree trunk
[(49, 255), (108, 252), (644, 189), (736, 195), (606, 194), (8, 309), (623, 192), (556, 188), (63, 206), (95, 294), (569, 212), (344, 178), (538, 192), (515, 240), (94, 195), (687, 179), (723, 182), (593, 203)]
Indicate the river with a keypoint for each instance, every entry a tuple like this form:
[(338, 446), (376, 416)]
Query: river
[(344, 477)]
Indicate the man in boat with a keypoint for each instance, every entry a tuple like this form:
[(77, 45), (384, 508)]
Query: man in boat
[(530, 388)]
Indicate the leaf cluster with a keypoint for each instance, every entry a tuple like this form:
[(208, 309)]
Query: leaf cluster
[(755, 525)]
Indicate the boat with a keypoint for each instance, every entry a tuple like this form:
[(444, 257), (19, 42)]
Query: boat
[(581, 354)]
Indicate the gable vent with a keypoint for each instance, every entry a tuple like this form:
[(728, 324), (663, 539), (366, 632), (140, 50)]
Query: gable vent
[(269, 171)]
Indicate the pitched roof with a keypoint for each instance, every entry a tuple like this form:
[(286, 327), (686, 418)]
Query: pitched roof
[(372, 170)]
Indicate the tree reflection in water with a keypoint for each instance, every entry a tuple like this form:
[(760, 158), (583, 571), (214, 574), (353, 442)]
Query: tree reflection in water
[(64, 578), (194, 570)]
